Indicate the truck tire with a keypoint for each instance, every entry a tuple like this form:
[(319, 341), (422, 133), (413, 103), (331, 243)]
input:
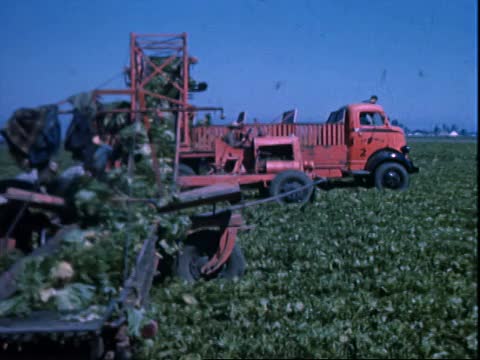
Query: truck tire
[(391, 175), (185, 170), (192, 257), (290, 180)]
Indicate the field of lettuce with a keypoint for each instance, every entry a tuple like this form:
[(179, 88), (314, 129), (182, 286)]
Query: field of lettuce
[(357, 274)]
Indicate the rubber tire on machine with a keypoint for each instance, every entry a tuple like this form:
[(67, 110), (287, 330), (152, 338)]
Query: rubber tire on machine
[(288, 181), (97, 348), (191, 258), (391, 175), (185, 170)]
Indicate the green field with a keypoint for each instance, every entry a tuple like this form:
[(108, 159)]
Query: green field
[(358, 273)]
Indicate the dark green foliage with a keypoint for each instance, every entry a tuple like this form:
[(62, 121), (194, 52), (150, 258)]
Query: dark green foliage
[(358, 273)]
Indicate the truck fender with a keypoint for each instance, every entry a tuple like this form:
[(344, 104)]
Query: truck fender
[(388, 155)]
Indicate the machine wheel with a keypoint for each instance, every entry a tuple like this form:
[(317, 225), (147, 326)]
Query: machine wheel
[(97, 348), (185, 170), (235, 266), (392, 176), (192, 257), (290, 180)]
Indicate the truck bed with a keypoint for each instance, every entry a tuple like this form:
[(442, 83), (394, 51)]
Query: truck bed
[(310, 135)]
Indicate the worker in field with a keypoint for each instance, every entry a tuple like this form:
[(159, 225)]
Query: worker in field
[(236, 136), (33, 137), (373, 100)]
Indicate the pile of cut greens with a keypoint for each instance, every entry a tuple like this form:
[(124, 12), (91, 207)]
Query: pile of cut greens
[(87, 268)]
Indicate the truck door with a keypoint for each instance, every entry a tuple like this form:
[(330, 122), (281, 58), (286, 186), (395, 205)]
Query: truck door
[(367, 135)]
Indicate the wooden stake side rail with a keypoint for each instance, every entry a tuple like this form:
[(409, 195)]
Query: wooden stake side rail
[(203, 137)]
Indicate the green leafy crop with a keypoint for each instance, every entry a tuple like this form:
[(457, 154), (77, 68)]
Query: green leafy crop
[(87, 270), (357, 274)]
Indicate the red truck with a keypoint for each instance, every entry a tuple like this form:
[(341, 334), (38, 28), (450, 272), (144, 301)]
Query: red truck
[(357, 140)]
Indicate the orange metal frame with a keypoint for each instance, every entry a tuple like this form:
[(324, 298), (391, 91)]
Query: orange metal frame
[(142, 72)]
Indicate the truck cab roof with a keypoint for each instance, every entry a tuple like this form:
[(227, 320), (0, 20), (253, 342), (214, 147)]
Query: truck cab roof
[(365, 107)]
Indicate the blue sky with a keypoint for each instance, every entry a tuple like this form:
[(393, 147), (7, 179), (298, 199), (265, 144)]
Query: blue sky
[(262, 56)]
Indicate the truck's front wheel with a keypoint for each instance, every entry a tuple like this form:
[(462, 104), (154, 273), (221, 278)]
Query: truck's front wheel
[(391, 175)]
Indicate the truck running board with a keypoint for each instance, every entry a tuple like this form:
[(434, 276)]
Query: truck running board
[(358, 172)]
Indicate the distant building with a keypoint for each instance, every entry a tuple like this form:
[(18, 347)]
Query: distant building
[(418, 133), (453, 133)]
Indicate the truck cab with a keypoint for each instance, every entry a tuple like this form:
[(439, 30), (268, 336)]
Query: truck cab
[(371, 140)]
